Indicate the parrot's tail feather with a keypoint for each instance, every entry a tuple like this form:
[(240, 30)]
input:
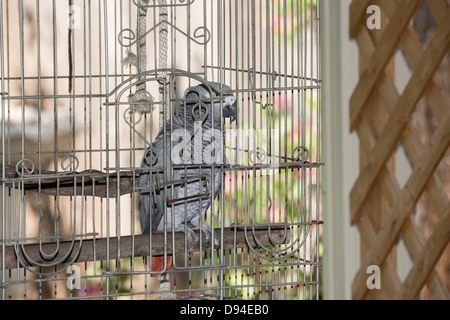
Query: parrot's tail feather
[(158, 264)]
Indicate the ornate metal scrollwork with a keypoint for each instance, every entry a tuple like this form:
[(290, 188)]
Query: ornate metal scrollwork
[(199, 112), (260, 154), (302, 156), (199, 32), (151, 157), (20, 165), (142, 100), (287, 250), (183, 3), (70, 163), (40, 255)]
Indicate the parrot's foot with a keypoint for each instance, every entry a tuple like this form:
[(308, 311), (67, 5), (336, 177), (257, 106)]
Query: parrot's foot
[(206, 230), (191, 237)]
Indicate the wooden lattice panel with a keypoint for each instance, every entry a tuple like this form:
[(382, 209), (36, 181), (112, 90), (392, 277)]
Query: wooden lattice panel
[(381, 115)]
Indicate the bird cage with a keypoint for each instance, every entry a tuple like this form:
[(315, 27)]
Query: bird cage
[(88, 195)]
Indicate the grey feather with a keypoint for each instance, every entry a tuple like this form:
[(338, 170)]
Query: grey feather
[(185, 182)]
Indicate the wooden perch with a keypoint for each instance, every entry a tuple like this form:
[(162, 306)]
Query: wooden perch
[(97, 183), (87, 183), (97, 250)]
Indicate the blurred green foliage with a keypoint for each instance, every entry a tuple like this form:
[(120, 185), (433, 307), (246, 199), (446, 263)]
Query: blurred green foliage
[(290, 15)]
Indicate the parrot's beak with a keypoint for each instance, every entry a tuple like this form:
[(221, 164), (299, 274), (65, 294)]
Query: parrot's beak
[(230, 111)]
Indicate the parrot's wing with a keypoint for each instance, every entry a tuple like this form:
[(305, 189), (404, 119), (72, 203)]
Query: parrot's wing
[(166, 188), (146, 203), (151, 205)]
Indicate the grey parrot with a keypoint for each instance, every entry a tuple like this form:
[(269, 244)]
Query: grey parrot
[(194, 153)]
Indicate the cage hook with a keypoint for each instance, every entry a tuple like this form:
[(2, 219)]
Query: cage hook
[(72, 159), (20, 164)]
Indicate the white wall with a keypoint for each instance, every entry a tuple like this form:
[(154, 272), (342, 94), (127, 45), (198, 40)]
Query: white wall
[(340, 149)]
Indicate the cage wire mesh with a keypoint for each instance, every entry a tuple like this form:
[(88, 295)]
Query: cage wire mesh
[(86, 85)]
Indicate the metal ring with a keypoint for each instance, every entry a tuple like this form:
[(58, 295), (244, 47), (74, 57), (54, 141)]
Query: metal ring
[(142, 100), (122, 35), (132, 110), (142, 96), (20, 164), (303, 156), (206, 34), (73, 159), (154, 156), (199, 106), (258, 151)]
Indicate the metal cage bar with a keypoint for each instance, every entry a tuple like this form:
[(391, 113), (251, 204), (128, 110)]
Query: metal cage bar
[(86, 86)]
